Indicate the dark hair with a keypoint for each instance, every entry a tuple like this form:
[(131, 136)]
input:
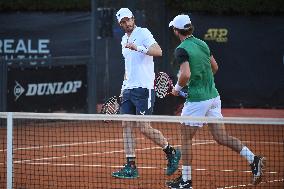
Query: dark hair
[(188, 31)]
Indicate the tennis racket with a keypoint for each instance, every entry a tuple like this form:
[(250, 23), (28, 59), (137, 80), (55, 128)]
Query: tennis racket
[(111, 106), (164, 85)]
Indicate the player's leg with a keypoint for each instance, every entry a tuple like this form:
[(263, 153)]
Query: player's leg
[(144, 101), (173, 155), (129, 142), (188, 130), (257, 163), (129, 170), (153, 134), (223, 138), (185, 180)]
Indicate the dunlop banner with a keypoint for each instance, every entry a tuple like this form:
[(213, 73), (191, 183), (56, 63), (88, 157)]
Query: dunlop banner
[(47, 89)]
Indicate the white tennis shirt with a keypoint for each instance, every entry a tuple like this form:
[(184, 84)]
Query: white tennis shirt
[(139, 67)]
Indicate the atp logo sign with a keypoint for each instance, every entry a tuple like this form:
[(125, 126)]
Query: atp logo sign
[(219, 35)]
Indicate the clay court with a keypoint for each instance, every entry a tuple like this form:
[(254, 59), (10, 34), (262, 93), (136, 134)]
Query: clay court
[(69, 154)]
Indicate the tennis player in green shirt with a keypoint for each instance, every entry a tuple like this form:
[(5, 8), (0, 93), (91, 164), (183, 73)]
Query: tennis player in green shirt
[(196, 69)]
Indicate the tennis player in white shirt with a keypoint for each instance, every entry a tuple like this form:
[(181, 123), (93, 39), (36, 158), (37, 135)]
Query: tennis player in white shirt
[(138, 95)]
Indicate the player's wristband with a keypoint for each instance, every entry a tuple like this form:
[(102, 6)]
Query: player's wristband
[(123, 85), (142, 49), (178, 87)]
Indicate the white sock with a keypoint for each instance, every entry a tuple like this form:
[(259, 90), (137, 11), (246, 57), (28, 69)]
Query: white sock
[(246, 153), (186, 173), (166, 146)]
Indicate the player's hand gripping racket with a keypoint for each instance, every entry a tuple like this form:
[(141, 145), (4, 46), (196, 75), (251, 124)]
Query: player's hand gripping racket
[(111, 106), (164, 86)]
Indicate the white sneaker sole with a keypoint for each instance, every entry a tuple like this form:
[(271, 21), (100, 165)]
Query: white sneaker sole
[(258, 178)]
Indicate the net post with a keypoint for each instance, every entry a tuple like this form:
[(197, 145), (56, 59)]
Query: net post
[(9, 150)]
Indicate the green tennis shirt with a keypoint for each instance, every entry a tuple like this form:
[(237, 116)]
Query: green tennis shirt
[(201, 84)]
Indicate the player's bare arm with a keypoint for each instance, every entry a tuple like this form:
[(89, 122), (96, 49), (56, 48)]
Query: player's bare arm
[(183, 78), (214, 64), (153, 50)]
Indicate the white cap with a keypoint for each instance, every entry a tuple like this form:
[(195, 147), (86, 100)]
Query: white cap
[(123, 13), (180, 21)]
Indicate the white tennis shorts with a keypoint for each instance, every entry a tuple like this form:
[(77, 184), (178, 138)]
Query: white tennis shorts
[(206, 108)]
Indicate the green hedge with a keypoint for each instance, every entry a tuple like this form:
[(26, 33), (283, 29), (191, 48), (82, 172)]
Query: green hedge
[(208, 6), (245, 7), (44, 5)]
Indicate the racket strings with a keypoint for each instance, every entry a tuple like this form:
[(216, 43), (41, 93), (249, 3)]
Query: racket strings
[(111, 106), (163, 85)]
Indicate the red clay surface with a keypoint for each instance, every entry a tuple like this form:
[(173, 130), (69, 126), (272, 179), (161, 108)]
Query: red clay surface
[(84, 154), (265, 113)]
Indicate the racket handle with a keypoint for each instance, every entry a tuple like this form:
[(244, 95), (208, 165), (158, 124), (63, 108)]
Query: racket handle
[(182, 94)]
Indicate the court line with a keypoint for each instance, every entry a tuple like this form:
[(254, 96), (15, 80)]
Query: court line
[(96, 153), (100, 153), (147, 167), (30, 161), (139, 167), (67, 145), (249, 185), (74, 144), (120, 151), (114, 140)]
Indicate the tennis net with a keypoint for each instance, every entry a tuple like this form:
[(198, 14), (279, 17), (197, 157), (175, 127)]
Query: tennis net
[(57, 150)]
